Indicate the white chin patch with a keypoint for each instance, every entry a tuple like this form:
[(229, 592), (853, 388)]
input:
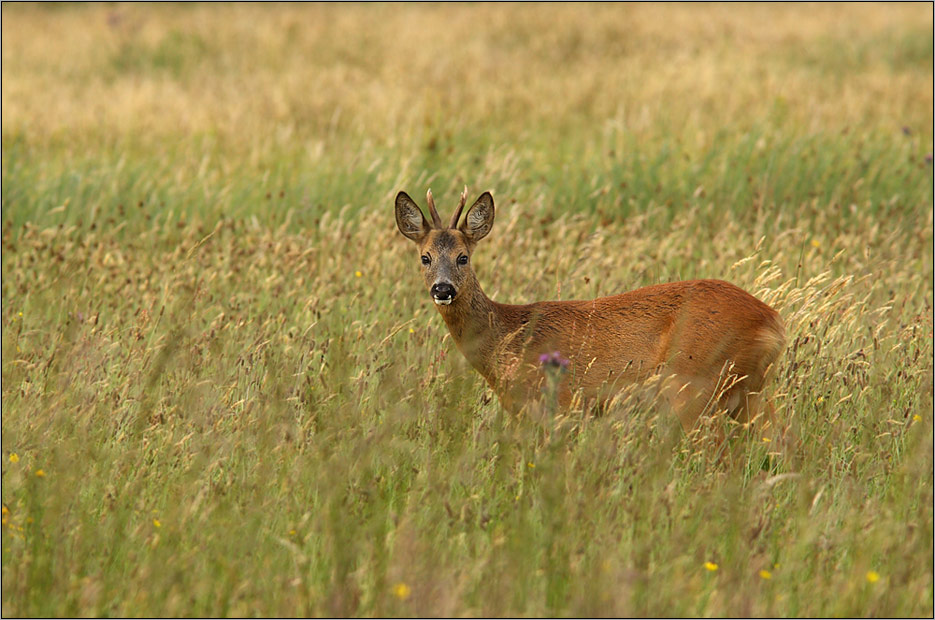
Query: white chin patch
[(442, 302)]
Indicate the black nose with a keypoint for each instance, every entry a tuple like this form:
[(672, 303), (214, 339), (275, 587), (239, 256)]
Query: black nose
[(443, 290)]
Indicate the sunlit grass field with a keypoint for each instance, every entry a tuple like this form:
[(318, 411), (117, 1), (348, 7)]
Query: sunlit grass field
[(226, 392)]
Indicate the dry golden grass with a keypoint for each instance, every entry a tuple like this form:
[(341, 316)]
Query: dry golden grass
[(217, 351), (255, 74)]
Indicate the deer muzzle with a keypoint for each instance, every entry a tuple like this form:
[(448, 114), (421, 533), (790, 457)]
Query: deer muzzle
[(443, 293)]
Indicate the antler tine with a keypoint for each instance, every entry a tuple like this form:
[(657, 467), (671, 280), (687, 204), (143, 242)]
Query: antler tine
[(457, 215), (431, 200)]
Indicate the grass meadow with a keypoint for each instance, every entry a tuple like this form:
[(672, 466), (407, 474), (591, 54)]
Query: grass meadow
[(225, 391)]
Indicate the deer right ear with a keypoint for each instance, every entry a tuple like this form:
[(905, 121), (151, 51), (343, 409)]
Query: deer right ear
[(479, 219), (409, 218)]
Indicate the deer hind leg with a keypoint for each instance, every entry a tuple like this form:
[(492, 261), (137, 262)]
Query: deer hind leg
[(713, 409), (760, 413), (748, 404), (700, 402)]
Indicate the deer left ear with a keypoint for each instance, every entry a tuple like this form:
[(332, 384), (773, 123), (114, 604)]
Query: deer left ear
[(409, 218), (479, 219)]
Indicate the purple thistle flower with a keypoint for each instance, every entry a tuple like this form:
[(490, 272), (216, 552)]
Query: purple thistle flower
[(928, 158), (554, 360)]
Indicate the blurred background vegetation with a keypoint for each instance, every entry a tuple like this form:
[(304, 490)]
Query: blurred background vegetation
[(609, 107)]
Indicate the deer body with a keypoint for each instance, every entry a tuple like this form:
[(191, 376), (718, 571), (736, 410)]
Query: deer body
[(693, 333)]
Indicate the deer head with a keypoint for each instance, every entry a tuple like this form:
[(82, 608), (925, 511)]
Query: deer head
[(445, 251)]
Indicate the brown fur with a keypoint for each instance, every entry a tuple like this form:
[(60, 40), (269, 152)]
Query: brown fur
[(713, 342)]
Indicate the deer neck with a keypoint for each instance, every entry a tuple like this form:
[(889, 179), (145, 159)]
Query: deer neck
[(477, 325)]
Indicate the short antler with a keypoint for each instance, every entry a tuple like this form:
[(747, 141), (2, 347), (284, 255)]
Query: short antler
[(431, 200), (457, 215)]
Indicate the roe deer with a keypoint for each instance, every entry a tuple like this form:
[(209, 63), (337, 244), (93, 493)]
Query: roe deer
[(713, 342)]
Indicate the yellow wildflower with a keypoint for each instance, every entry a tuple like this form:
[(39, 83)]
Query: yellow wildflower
[(40, 473), (358, 273), (531, 465), (711, 566), (917, 418), (816, 243), (157, 522), (873, 576), (14, 458), (765, 574), (766, 440), (401, 591)]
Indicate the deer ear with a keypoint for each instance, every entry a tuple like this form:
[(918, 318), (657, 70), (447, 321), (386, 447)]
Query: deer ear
[(409, 218), (479, 219)]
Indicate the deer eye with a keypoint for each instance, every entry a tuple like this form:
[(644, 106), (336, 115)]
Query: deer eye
[(462, 260), (425, 259)]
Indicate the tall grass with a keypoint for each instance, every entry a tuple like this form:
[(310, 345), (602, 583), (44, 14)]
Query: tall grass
[(225, 392)]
